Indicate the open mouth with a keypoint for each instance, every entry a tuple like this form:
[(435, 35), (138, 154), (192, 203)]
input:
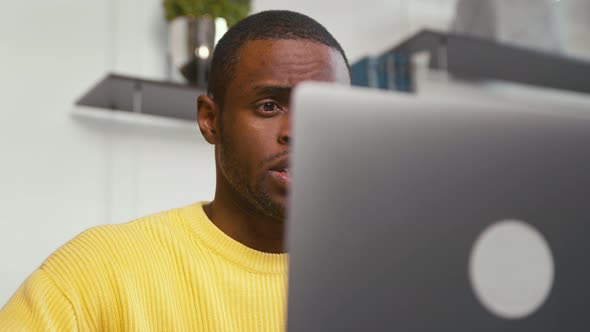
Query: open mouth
[(285, 171), (282, 174)]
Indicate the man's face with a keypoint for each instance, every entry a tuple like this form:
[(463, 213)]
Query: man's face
[(253, 156)]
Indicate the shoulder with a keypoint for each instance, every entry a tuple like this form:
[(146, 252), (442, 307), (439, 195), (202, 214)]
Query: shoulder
[(104, 248), (105, 266)]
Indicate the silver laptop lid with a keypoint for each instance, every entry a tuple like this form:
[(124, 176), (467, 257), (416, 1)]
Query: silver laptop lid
[(392, 193)]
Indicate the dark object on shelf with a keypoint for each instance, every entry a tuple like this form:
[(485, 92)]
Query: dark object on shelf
[(477, 59), (364, 72), (391, 71), (196, 71), (123, 93), (190, 47)]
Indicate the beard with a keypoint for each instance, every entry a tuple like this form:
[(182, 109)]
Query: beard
[(250, 190)]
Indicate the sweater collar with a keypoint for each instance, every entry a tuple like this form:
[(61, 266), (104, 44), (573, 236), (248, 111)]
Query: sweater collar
[(206, 231)]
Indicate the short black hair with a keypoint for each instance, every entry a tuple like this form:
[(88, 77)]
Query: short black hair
[(272, 24)]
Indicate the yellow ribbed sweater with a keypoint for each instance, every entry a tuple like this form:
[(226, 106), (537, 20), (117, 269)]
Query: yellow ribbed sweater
[(173, 271)]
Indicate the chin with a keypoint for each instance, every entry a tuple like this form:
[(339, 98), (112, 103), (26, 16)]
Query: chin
[(270, 201), (280, 213), (276, 209)]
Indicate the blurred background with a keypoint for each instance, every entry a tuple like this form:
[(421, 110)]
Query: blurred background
[(65, 168)]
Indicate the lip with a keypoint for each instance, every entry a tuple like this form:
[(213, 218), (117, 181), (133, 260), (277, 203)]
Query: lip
[(277, 171), (281, 177), (280, 164)]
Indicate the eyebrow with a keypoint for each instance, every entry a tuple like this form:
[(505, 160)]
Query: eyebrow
[(272, 90)]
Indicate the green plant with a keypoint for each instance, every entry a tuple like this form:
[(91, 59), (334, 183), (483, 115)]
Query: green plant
[(231, 10)]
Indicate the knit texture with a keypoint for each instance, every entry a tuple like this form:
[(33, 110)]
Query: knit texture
[(173, 271)]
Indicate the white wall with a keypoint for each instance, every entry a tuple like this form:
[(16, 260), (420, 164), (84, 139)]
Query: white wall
[(574, 18), (61, 174), (53, 172), (370, 26)]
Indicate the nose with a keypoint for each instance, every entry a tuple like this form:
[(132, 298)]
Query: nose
[(285, 130)]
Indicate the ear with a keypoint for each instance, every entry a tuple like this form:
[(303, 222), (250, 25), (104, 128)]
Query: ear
[(208, 118)]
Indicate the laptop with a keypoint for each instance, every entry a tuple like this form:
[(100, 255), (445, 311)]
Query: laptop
[(442, 213)]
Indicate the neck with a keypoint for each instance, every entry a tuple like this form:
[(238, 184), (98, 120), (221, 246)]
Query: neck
[(240, 221)]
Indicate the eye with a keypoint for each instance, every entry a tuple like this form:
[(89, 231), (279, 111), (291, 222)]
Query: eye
[(269, 108)]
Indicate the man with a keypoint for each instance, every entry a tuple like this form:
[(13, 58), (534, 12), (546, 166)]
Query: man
[(217, 266)]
